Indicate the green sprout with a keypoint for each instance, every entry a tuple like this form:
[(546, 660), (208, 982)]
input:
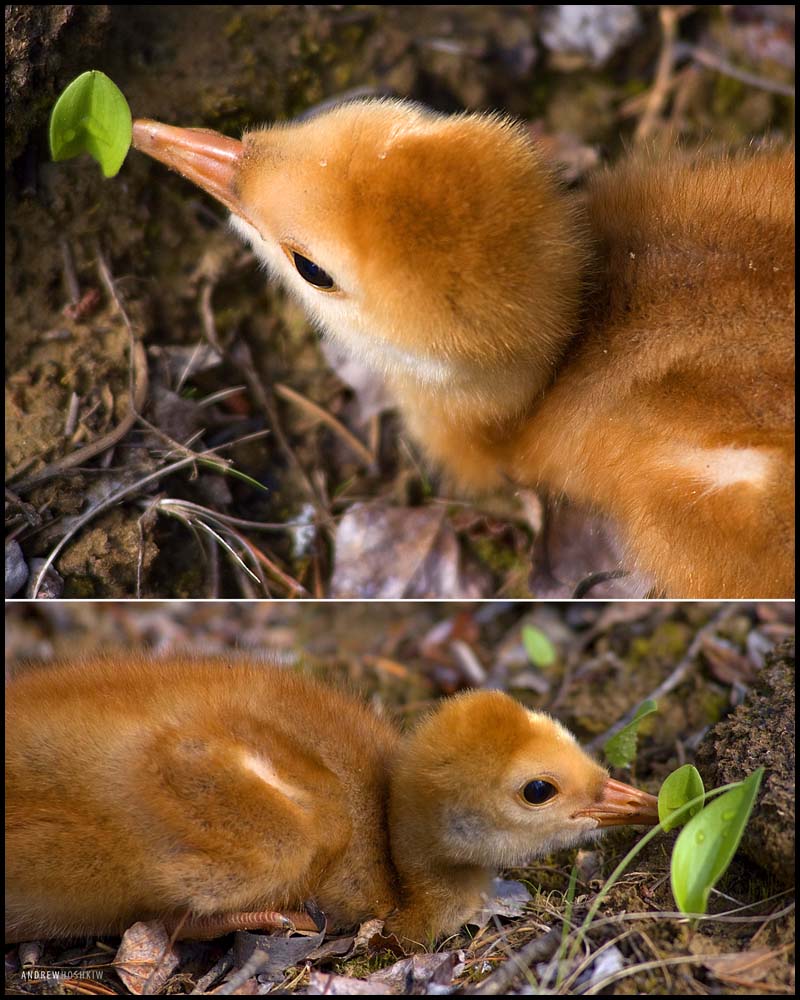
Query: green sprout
[(92, 116), (538, 647), (621, 748)]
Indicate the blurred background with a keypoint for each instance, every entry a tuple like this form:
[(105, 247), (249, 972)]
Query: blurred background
[(589, 663), (229, 356)]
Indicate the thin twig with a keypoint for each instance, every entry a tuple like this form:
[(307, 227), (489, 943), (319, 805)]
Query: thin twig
[(471, 667), (230, 520), (71, 421), (70, 275), (327, 418), (711, 60), (293, 586), (499, 982), (177, 447), (189, 369), (217, 397), (111, 288), (662, 83), (213, 572), (207, 316), (241, 355), (635, 106)]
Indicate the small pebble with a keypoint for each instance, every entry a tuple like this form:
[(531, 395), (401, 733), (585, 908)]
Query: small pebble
[(16, 569)]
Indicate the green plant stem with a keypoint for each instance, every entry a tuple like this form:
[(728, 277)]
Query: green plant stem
[(573, 878)]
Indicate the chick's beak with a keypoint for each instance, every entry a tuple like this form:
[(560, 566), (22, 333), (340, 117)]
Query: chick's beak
[(206, 158), (621, 804)]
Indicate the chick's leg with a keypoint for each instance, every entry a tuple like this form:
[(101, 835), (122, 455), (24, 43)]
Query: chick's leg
[(205, 928)]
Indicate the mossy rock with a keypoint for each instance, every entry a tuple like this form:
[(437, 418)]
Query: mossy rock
[(761, 731)]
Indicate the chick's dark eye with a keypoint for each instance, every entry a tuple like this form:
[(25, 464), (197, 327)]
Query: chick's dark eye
[(312, 272), (538, 791)]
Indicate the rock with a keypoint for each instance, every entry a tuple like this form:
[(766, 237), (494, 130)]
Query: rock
[(761, 731), (16, 569), (589, 32)]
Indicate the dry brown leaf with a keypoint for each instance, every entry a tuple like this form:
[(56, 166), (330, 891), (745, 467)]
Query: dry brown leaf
[(366, 932), (329, 984), (745, 967), (145, 958), (577, 35), (573, 545), (726, 662), (392, 553), (435, 644), (334, 948), (251, 988), (371, 938), (506, 899), (418, 973), (386, 942)]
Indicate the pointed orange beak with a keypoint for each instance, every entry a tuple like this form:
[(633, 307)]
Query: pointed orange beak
[(621, 804), (206, 158)]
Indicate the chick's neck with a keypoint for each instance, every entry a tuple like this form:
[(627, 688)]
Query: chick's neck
[(437, 892), (472, 422)]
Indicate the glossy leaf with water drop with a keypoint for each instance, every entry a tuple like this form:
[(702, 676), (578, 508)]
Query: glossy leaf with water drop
[(708, 842), (678, 789)]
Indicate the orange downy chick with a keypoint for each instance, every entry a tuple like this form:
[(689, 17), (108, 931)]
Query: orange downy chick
[(630, 347), (183, 789)]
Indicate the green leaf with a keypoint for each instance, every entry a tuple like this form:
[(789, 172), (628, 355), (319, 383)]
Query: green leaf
[(92, 116), (679, 788), (621, 749), (541, 652), (707, 844)]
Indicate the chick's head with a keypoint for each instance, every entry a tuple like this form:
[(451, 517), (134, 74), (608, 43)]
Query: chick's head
[(427, 244), (499, 785)]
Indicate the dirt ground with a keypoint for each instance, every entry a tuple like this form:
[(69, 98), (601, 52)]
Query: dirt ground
[(718, 678), (137, 280)]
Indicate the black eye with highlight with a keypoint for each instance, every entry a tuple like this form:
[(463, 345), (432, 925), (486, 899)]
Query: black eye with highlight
[(311, 272), (538, 792)]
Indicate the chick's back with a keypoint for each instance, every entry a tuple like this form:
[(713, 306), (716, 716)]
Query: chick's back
[(137, 787)]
